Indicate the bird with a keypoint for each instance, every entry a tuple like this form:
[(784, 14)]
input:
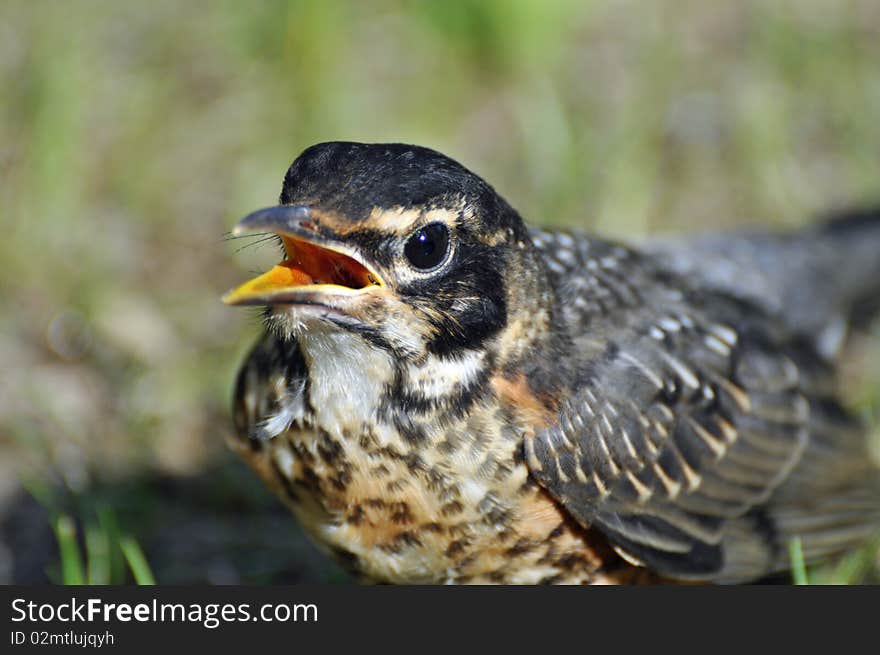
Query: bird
[(444, 395)]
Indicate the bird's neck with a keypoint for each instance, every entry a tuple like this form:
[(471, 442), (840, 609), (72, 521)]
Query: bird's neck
[(347, 377), (352, 382), (535, 348)]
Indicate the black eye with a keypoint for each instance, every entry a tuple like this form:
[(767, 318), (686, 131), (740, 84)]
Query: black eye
[(427, 247)]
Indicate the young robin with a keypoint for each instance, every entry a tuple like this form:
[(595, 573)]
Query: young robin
[(443, 394)]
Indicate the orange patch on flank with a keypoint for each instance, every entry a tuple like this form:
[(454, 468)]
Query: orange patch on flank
[(518, 393), (539, 515)]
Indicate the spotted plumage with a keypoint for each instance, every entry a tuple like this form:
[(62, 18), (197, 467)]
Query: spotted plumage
[(444, 395)]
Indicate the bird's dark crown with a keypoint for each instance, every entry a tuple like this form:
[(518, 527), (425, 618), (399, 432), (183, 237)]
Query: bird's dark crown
[(352, 179)]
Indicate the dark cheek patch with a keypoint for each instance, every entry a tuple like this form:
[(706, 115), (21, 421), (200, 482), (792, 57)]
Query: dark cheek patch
[(466, 304)]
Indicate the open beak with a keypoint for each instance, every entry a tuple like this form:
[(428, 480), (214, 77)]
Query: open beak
[(316, 265)]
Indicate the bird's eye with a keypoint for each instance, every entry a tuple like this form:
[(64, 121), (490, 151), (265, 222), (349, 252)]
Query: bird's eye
[(427, 247)]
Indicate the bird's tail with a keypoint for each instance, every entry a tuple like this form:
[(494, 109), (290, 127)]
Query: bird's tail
[(852, 259), (822, 280)]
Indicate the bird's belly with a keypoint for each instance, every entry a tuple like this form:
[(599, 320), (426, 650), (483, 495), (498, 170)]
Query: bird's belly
[(401, 516)]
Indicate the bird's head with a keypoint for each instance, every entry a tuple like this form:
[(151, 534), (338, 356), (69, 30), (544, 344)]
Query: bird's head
[(397, 243)]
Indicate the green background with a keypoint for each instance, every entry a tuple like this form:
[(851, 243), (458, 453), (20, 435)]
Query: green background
[(134, 134)]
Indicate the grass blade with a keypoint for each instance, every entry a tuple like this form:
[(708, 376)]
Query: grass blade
[(798, 568), (137, 562), (71, 561), (97, 556), (110, 527)]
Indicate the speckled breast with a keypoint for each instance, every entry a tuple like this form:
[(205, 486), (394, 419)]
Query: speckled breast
[(458, 507)]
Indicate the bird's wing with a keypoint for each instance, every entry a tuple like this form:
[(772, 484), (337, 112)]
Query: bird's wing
[(671, 435), (680, 427)]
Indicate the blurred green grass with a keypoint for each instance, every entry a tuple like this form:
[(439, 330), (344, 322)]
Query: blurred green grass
[(133, 135)]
